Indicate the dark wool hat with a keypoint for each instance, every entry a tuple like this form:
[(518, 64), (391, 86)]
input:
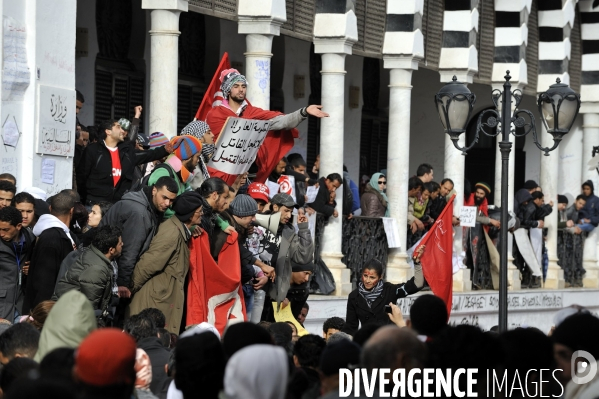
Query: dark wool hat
[(339, 355), (186, 204), (296, 267), (243, 205), (483, 186), (579, 332), (530, 184), (562, 199)]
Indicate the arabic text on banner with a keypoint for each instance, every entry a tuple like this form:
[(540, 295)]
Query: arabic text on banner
[(238, 144)]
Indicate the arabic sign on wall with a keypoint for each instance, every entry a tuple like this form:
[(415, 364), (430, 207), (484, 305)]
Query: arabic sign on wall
[(238, 144), (56, 122)]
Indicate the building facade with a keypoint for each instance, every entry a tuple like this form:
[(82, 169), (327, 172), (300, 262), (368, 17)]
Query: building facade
[(374, 65)]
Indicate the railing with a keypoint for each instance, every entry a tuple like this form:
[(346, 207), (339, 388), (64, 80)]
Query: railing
[(363, 239), (569, 251)]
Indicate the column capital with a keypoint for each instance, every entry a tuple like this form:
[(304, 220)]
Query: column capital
[(463, 75), (587, 107), (400, 62), (261, 17), (175, 5), (335, 33), (403, 46)]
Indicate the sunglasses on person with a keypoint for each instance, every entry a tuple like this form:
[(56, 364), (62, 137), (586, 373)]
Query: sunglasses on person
[(382, 182)]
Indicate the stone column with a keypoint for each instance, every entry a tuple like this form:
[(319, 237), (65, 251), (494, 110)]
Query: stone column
[(590, 139), (398, 165), (164, 63), (260, 21), (334, 36), (549, 175), (403, 47)]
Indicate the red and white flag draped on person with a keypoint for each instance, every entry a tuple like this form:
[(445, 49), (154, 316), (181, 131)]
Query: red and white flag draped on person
[(437, 257), (276, 145), (213, 96), (214, 292)]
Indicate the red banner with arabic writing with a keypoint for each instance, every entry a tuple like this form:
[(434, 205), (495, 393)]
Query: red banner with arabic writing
[(437, 257)]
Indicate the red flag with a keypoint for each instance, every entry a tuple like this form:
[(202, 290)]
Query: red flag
[(213, 93), (437, 257), (214, 292)]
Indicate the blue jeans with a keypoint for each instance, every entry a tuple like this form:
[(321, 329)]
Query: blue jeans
[(588, 227), (248, 297)]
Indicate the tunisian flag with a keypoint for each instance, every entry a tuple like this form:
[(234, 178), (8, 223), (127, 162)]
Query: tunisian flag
[(214, 291), (213, 95), (437, 257)]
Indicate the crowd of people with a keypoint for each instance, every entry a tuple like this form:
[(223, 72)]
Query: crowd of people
[(158, 276)]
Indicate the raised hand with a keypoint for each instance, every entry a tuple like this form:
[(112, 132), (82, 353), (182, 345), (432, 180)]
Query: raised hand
[(316, 110)]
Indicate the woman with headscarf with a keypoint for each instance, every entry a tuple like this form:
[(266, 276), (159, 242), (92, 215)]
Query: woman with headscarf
[(375, 203), (366, 304), (201, 131), (257, 372)]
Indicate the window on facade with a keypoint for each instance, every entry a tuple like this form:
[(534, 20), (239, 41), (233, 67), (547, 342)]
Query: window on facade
[(117, 92)]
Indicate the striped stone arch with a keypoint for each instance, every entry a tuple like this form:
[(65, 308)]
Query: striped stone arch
[(511, 40), (459, 54), (556, 20), (589, 26)]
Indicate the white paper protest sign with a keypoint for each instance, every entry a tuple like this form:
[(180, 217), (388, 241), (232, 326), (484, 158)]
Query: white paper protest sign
[(311, 193), (273, 188), (468, 216), (237, 145), (392, 232)]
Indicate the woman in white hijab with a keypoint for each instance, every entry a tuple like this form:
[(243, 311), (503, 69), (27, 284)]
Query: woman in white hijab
[(257, 372)]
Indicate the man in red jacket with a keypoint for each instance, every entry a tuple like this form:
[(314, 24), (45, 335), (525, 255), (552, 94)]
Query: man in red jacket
[(279, 140)]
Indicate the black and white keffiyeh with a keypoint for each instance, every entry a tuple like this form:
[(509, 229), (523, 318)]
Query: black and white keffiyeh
[(371, 295)]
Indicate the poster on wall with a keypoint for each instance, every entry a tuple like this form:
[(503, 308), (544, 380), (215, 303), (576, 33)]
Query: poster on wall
[(56, 121), (15, 72)]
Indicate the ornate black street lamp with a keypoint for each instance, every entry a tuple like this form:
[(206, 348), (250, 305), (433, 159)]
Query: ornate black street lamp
[(558, 107)]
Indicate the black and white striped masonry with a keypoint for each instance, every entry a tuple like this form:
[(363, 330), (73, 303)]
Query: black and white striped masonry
[(459, 54), (589, 19), (556, 19), (511, 37), (403, 32)]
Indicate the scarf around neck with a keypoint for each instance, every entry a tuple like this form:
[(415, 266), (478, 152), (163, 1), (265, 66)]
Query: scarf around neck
[(373, 294)]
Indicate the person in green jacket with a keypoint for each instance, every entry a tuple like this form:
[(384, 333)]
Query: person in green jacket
[(179, 165)]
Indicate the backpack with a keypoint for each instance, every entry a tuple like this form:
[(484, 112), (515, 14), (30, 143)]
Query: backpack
[(348, 198), (143, 182)]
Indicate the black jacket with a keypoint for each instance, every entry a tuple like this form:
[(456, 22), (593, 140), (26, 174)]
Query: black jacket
[(10, 291), (321, 203), (159, 356), (92, 275), (136, 216), (94, 172), (52, 246), (358, 311)]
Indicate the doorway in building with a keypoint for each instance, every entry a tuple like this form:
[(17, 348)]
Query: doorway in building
[(480, 161)]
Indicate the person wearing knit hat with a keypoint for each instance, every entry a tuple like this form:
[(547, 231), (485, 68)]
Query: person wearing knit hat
[(201, 131), (478, 259), (234, 104), (164, 266), (105, 364), (180, 165), (158, 139)]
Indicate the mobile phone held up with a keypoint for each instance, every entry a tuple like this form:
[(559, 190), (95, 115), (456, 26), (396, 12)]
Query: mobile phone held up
[(388, 309)]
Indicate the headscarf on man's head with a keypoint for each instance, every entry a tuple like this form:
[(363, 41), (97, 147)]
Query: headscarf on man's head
[(228, 78), (198, 129), (374, 183)]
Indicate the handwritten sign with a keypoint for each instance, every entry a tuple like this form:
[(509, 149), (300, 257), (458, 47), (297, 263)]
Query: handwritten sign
[(392, 232), (48, 167), (15, 72), (468, 216), (238, 144), (56, 122), (9, 165)]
